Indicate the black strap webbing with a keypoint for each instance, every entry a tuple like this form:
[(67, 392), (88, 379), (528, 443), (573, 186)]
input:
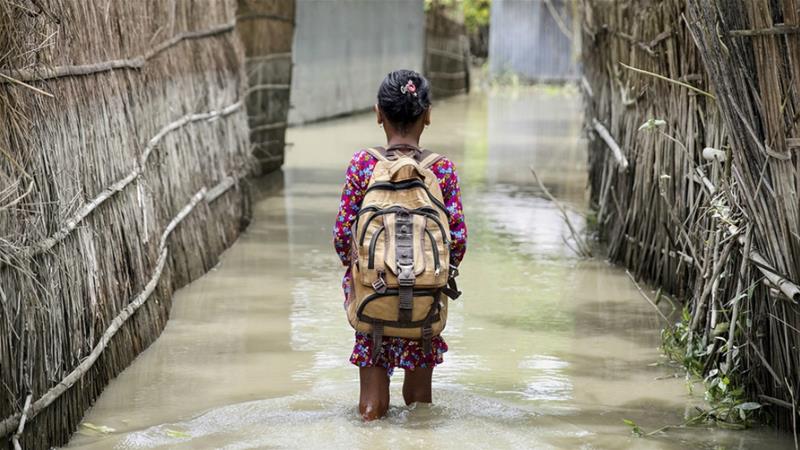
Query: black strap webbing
[(427, 329), (427, 338), (406, 296), (451, 290), (377, 339)]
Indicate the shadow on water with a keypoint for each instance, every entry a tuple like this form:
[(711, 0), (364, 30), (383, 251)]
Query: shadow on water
[(546, 350)]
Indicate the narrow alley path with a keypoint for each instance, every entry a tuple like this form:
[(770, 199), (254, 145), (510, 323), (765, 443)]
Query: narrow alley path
[(546, 350)]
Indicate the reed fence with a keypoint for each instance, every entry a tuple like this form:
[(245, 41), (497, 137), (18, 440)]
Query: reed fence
[(692, 108), (266, 28), (123, 139)]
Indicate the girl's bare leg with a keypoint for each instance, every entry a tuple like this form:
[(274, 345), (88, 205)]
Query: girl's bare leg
[(417, 385), (374, 401)]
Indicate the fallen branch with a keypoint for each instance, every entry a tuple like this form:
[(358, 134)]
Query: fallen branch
[(583, 247)]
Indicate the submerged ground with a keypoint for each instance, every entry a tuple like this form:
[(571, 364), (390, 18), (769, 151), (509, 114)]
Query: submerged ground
[(547, 351)]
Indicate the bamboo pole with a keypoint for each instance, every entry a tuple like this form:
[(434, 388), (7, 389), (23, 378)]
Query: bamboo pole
[(22, 420), (737, 298), (602, 131), (786, 287), (775, 30)]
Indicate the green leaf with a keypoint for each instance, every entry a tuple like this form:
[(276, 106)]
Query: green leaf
[(652, 123), (177, 434), (635, 430)]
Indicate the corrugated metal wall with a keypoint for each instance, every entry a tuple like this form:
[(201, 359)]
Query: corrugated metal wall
[(526, 38), (344, 48)]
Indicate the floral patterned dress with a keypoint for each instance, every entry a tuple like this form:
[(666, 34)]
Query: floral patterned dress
[(395, 351)]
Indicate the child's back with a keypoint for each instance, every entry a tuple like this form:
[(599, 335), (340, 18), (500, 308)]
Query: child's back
[(404, 111)]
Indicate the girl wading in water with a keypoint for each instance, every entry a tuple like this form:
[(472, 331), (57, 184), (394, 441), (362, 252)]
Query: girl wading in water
[(400, 232)]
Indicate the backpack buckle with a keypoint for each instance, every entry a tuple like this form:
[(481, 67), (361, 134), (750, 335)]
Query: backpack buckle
[(379, 284), (453, 271), (406, 276)]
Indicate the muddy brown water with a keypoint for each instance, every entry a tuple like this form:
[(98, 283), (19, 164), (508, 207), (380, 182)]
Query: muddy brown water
[(546, 350)]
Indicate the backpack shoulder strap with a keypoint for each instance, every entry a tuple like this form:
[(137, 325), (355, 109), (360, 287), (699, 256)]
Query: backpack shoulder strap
[(378, 153), (428, 158)]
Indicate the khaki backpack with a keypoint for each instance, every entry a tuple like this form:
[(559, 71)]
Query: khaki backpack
[(400, 251)]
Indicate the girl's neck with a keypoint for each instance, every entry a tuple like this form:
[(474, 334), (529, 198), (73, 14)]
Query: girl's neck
[(403, 140)]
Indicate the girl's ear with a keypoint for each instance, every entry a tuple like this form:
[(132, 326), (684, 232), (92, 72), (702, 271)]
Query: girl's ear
[(426, 116), (378, 114)]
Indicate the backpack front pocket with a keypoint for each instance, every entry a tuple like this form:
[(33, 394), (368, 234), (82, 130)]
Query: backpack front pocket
[(419, 236)]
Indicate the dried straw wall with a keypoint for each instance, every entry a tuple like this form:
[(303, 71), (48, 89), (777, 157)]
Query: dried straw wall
[(266, 28), (694, 169), (122, 139)]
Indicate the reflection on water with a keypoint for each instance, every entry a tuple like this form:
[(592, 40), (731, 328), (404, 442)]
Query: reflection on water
[(547, 351)]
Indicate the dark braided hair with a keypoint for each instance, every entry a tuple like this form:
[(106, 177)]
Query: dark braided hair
[(400, 106)]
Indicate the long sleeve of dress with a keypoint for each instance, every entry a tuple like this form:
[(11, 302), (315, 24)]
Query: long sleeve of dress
[(445, 170), (359, 171)]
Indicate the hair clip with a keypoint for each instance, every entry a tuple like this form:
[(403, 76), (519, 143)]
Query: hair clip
[(409, 88)]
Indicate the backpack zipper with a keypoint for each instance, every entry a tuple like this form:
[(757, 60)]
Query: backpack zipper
[(372, 245), (437, 264), (424, 211), (402, 185)]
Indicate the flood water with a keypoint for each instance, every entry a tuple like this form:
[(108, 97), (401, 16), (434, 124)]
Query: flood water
[(546, 350)]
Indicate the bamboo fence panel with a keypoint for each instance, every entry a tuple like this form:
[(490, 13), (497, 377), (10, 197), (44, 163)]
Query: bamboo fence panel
[(447, 56), (266, 28), (123, 139), (700, 99)]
